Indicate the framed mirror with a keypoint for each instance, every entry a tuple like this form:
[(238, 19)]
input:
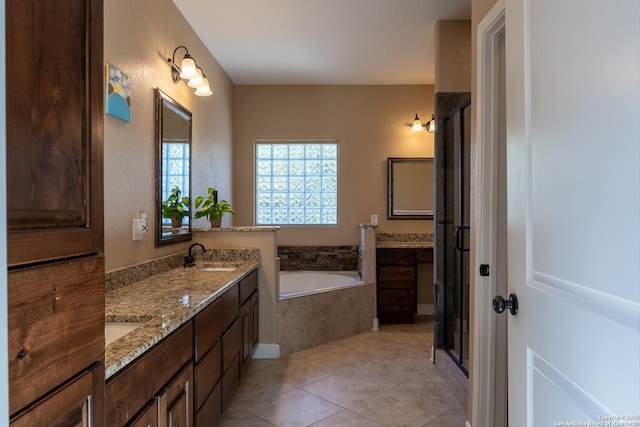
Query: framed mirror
[(173, 171), (410, 188)]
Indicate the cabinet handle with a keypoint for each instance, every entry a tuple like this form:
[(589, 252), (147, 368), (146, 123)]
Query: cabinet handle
[(21, 354), (89, 420)]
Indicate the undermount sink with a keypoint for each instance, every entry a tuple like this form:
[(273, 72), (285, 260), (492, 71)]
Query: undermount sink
[(217, 267), (115, 330)]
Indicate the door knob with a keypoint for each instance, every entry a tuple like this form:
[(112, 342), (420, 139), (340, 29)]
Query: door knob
[(500, 304)]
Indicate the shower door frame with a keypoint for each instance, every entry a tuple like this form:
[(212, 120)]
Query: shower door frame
[(447, 269)]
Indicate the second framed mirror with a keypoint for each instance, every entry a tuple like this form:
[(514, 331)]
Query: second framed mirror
[(173, 171)]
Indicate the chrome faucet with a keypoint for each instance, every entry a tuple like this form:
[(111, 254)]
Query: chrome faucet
[(190, 260)]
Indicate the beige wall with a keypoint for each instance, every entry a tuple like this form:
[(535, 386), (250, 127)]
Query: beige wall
[(453, 56), (139, 36), (370, 124)]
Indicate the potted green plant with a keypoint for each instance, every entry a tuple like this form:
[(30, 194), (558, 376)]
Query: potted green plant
[(175, 207), (212, 209)]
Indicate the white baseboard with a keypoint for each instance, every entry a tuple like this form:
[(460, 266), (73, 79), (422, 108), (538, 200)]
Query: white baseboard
[(267, 351), (467, 424), (425, 310)]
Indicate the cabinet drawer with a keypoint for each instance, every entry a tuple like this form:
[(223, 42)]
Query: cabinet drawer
[(230, 345), (230, 381), (230, 307), (209, 414), (207, 373), (247, 285), (397, 277), (132, 388), (207, 328), (56, 325), (73, 405), (396, 300), (396, 256), (425, 255)]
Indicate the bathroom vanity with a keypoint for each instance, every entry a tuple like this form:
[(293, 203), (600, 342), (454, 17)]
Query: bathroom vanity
[(198, 332), (397, 278)]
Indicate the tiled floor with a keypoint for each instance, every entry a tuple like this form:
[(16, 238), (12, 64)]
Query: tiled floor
[(382, 378)]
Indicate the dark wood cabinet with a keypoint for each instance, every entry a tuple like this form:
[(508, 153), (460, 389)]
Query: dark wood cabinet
[(54, 212), (148, 417), (175, 406), (143, 380), (54, 129), (197, 367), (208, 364), (397, 287), (248, 318), (72, 405)]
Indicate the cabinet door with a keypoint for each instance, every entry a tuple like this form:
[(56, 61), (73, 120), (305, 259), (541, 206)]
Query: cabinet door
[(149, 417), (74, 405), (175, 403), (54, 113)]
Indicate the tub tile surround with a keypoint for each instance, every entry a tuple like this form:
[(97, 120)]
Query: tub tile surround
[(312, 320), (165, 300), (318, 258)]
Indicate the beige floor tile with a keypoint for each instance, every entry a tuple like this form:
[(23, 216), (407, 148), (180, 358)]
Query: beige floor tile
[(346, 418), (345, 389), (387, 372), (397, 409), (384, 378), (296, 408), (452, 418), (414, 357), (257, 386), (372, 343), (431, 387), (242, 417), (300, 372), (340, 357)]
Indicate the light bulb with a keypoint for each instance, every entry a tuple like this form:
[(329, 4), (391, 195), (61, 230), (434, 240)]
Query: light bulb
[(417, 125), (188, 68)]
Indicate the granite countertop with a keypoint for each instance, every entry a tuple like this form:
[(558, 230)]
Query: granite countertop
[(404, 240), (163, 302), (404, 244)]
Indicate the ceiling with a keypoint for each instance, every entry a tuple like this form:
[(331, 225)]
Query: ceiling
[(318, 42)]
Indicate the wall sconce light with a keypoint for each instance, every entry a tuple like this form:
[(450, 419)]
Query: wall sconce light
[(430, 126), (189, 70)]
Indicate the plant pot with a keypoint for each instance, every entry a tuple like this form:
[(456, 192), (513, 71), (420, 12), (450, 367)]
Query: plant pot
[(216, 222), (176, 222)]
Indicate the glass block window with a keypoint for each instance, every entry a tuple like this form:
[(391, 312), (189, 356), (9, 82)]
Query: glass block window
[(297, 183), (175, 167)]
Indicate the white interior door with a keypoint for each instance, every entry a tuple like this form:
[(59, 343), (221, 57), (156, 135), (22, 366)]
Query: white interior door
[(573, 169)]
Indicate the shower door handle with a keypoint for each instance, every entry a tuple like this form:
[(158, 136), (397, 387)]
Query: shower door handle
[(511, 304), (459, 236)]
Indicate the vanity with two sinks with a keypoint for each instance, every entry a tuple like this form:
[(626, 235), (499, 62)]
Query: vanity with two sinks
[(177, 340)]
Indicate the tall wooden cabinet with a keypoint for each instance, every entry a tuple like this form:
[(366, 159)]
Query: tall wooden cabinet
[(54, 74)]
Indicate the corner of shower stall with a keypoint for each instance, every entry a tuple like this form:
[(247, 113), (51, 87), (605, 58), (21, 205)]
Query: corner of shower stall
[(451, 284)]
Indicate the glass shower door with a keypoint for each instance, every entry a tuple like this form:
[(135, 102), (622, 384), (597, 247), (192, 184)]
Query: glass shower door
[(457, 128)]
